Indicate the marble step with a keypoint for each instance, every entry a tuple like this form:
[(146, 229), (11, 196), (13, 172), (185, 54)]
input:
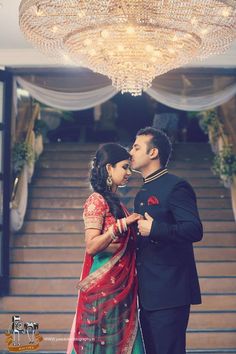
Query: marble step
[(76, 214), (62, 321), (77, 239), (75, 192), (71, 226), (83, 172), (56, 303), (83, 181), (86, 163), (73, 269), (207, 204), (62, 286), (73, 253)]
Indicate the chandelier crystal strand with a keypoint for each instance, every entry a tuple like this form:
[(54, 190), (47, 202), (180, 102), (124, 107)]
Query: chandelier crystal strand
[(130, 41)]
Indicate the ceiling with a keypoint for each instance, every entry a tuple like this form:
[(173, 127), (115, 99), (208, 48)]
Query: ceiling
[(15, 51)]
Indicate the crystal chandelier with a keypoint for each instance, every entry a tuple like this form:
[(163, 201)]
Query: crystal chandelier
[(130, 41)]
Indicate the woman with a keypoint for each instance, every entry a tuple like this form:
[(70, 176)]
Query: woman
[(106, 320)]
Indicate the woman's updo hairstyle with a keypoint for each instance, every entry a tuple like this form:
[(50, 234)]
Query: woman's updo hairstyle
[(109, 153)]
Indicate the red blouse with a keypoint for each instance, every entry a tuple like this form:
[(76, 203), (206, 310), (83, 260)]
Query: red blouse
[(96, 213)]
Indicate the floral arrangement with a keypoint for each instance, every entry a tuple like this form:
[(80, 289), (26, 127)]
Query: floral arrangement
[(224, 165), (22, 154)]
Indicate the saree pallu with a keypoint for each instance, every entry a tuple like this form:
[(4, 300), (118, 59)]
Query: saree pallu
[(106, 320)]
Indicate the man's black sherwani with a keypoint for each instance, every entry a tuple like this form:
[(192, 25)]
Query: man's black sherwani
[(165, 260)]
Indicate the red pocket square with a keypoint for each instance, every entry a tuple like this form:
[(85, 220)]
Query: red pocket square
[(153, 200)]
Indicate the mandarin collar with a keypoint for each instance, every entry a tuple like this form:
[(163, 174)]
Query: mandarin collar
[(155, 175)]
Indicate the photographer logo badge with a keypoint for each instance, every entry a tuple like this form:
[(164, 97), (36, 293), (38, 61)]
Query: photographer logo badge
[(22, 336)]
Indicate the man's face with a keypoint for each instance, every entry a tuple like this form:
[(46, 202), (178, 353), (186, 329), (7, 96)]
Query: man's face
[(140, 156)]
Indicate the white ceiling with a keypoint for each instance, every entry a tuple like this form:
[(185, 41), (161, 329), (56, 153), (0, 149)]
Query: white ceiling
[(16, 51)]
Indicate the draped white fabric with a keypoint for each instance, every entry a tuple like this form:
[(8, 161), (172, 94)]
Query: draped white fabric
[(68, 101), (84, 89), (195, 103)]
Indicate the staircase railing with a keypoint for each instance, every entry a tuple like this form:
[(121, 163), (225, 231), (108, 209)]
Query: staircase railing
[(227, 112), (228, 115), (20, 187)]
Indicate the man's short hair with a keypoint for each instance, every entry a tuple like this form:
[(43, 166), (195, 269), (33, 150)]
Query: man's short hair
[(160, 141)]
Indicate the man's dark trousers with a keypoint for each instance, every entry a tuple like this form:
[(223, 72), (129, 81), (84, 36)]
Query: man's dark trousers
[(164, 331)]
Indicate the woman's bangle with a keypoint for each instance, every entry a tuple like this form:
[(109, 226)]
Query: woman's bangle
[(117, 229), (114, 237), (122, 225)]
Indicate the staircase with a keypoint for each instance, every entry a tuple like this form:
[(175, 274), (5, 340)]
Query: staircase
[(46, 256)]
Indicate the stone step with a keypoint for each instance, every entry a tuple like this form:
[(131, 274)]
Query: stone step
[(203, 151), (216, 268), (62, 182), (64, 192), (72, 254), (214, 253), (54, 203), (76, 214), (73, 269), (68, 303), (57, 203), (217, 302), (219, 226), (49, 240), (83, 172), (71, 147), (76, 192), (216, 214), (219, 239), (49, 226), (54, 214), (62, 286), (218, 285), (38, 303), (213, 202), (67, 155), (77, 240), (61, 254), (83, 181), (212, 340), (71, 226), (46, 270), (86, 163)]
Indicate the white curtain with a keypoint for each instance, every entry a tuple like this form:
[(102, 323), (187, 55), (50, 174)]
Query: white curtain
[(196, 96), (70, 101), (82, 89)]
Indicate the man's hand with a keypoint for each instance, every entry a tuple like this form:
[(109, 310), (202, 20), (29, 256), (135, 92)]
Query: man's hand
[(145, 225)]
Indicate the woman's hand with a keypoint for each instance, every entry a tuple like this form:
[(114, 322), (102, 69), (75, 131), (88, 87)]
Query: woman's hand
[(133, 218)]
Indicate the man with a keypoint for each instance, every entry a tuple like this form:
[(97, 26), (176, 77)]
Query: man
[(168, 281)]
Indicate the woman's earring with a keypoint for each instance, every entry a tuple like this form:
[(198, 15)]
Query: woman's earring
[(109, 182)]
